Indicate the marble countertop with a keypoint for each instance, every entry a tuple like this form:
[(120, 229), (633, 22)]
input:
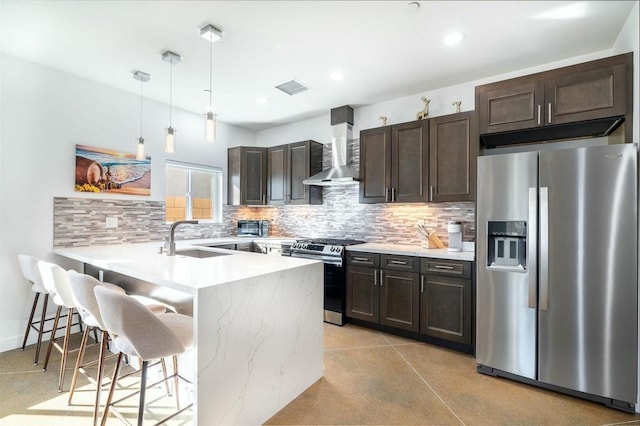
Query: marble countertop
[(413, 250), (144, 261)]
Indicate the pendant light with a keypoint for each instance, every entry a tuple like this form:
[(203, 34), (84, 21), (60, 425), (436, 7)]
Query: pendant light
[(142, 77), (170, 143), (211, 34)]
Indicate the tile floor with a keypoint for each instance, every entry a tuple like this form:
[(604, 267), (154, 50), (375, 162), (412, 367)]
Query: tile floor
[(371, 378)]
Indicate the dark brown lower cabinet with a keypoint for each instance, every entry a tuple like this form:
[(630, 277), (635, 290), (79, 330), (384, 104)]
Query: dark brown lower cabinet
[(362, 294), (446, 300), (388, 297), (445, 310), (399, 299), (421, 298)]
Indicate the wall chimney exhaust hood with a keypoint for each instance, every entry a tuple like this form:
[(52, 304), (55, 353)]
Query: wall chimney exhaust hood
[(341, 133)]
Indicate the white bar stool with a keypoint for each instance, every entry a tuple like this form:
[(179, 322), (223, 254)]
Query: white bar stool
[(29, 267), (56, 282), (138, 332), (82, 286)]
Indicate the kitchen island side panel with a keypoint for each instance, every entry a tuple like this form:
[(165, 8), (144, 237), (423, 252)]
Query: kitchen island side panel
[(259, 344)]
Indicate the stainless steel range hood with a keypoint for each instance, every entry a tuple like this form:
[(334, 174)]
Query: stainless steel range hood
[(339, 173)]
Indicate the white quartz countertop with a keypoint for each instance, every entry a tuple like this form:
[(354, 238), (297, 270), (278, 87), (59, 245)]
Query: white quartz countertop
[(143, 261), (412, 250)]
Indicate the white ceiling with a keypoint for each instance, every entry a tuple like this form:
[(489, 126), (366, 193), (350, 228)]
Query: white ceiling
[(384, 49)]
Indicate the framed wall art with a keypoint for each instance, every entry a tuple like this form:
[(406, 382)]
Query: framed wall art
[(104, 170)]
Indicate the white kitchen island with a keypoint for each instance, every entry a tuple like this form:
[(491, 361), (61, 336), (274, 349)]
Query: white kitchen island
[(257, 323)]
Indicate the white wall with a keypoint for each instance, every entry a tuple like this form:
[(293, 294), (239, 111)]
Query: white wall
[(45, 113)]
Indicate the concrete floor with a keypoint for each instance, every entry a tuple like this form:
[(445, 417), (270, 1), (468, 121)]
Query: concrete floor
[(371, 378)]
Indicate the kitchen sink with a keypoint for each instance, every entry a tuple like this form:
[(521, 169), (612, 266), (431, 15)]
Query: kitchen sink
[(200, 253)]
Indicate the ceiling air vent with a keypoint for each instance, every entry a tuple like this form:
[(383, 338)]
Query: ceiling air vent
[(292, 87)]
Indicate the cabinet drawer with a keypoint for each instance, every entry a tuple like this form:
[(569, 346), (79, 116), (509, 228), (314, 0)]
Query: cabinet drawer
[(371, 260), (452, 268), (399, 263)]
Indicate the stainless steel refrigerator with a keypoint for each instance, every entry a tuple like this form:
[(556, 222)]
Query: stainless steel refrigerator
[(557, 270)]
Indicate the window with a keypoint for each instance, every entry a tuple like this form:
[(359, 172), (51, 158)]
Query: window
[(193, 192)]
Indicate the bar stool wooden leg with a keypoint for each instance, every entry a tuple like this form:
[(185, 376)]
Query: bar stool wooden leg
[(103, 352), (176, 381), (33, 311), (52, 338), (65, 348), (76, 370), (112, 388), (43, 318), (143, 391), (163, 364)]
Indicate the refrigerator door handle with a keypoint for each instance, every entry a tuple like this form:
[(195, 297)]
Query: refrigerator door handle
[(544, 247), (532, 246)]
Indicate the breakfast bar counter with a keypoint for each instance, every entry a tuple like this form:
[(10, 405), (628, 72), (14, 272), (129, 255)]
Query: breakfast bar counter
[(257, 322)]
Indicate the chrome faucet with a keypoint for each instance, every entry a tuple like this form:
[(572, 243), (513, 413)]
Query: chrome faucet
[(170, 243)]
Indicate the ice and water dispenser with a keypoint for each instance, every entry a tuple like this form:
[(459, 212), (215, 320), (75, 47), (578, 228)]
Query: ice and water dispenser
[(507, 242)]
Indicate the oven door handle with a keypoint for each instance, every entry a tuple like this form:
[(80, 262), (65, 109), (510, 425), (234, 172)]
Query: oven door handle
[(325, 259)]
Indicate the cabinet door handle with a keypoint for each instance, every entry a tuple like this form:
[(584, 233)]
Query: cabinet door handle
[(430, 192), (442, 267), (381, 278), (421, 283), (393, 194), (386, 195), (397, 262), (539, 113), (549, 117), (375, 278), (360, 259)]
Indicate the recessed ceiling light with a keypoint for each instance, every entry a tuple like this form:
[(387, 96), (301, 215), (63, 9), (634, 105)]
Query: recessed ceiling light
[(261, 100), (453, 38), (336, 75)]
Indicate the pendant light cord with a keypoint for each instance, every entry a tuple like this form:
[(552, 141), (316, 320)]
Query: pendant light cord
[(210, 73), (141, 108), (170, 89)]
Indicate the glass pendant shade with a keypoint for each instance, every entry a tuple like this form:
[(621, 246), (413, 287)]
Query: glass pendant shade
[(142, 77), (140, 154), (210, 127), (211, 34), (170, 143)]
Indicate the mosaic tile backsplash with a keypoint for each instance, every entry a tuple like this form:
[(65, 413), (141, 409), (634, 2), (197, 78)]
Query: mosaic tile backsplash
[(81, 221)]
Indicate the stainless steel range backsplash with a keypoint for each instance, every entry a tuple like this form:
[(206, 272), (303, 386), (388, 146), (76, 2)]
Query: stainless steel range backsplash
[(81, 221)]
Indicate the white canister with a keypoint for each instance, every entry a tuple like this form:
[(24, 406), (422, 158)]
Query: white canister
[(455, 236)]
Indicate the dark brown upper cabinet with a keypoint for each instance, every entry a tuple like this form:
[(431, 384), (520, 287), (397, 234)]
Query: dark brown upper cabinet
[(247, 176), (453, 149), (394, 163), (588, 99), (287, 166)]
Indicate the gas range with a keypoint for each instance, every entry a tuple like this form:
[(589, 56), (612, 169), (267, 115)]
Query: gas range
[(329, 250)]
